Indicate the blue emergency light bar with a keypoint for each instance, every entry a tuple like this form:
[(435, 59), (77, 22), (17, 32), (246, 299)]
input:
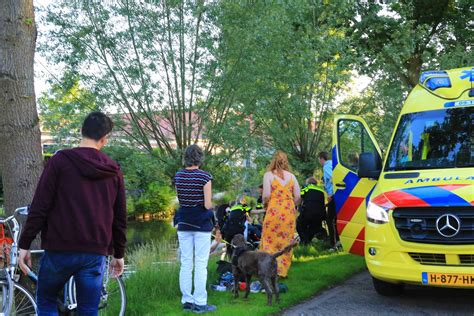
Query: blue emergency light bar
[(435, 79)]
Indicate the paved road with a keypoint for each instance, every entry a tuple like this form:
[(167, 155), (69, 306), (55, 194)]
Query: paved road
[(356, 296)]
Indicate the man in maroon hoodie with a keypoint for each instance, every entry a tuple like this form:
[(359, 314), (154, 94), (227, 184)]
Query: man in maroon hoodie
[(79, 208)]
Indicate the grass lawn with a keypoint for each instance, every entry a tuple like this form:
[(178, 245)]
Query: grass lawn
[(154, 289)]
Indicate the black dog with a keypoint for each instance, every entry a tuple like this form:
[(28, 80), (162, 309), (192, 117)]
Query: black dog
[(246, 263)]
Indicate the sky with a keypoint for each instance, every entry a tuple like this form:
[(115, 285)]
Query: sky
[(41, 64)]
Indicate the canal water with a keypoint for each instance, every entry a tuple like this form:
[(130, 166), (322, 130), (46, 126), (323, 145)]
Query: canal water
[(152, 231)]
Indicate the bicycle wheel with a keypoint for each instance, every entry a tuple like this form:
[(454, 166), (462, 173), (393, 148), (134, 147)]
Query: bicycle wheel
[(112, 297), (6, 288), (23, 302)]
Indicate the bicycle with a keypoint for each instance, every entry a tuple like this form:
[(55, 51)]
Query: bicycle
[(15, 298), (112, 300)]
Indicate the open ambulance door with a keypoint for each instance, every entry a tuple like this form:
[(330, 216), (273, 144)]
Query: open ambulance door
[(351, 137)]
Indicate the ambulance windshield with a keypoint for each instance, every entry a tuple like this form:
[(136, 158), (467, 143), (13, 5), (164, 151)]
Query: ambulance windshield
[(433, 139)]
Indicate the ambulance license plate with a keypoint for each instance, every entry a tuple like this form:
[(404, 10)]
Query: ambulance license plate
[(454, 279)]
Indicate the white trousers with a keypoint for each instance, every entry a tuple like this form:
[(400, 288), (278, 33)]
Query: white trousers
[(194, 251)]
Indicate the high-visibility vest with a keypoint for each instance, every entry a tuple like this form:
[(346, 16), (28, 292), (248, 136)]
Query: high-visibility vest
[(240, 207), (311, 187)]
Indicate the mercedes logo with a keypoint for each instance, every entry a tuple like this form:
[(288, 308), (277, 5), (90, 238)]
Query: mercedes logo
[(448, 225)]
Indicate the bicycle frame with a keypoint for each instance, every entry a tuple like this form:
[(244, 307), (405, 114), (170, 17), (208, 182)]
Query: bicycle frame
[(14, 251), (7, 297)]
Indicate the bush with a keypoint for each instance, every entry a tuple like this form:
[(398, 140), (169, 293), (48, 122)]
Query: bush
[(139, 167), (156, 200)]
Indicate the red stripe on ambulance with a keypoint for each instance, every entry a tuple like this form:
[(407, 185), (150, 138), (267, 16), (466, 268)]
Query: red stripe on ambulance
[(358, 245), (347, 211)]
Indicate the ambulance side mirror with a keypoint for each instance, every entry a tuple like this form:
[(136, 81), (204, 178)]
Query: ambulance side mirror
[(370, 165)]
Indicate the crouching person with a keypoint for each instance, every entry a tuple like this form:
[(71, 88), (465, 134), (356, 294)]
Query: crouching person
[(195, 222), (79, 208), (313, 212)]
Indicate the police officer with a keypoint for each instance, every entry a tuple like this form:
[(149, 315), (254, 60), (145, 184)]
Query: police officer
[(235, 223), (312, 212)]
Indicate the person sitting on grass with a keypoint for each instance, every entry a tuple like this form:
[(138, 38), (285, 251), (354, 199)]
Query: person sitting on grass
[(217, 244)]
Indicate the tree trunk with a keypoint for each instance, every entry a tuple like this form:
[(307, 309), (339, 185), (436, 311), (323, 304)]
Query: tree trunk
[(21, 160)]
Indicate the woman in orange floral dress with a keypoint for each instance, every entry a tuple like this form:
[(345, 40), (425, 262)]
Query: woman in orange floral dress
[(281, 194)]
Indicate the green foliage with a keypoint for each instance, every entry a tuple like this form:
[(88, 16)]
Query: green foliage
[(156, 277), (155, 200), (402, 38), (379, 105), (242, 79), (130, 205), (139, 167), (251, 201), (221, 173), (29, 21), (293, 66), (160, 70), (64, 107), (226, 197), (146, 181)]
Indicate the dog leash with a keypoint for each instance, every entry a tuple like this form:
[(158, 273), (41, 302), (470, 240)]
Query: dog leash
[(297, 239), (224, 241)]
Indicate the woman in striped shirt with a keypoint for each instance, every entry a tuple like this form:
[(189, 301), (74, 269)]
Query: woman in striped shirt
[(194, 219)]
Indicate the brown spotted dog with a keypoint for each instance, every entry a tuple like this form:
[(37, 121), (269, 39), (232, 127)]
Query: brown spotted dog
[(246, 263)]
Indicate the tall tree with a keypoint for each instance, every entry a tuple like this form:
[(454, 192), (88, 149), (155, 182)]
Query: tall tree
[(20, 147), (402, 38), (155, 63), (64, 107), (297, 58), (395, 41)]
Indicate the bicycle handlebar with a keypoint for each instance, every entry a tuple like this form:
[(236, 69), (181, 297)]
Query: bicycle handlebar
[(6, 219)]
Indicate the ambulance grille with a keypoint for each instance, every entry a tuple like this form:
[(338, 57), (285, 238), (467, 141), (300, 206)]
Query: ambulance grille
[(418, 224), (428, 258), (466, 260)]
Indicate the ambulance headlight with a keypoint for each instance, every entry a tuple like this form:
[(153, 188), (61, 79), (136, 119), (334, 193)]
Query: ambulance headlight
[(377, 214)]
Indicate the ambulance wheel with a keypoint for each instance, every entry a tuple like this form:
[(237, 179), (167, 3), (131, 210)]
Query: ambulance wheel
[(386, 288)]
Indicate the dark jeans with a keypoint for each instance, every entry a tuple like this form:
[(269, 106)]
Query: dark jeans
[(55, 270), (254, 231), (331, 220)]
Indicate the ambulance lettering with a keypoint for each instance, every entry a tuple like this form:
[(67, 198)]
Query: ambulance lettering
[(450, 178)]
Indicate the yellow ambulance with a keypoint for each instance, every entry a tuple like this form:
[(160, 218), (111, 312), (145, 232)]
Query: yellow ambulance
[(411, 214)]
